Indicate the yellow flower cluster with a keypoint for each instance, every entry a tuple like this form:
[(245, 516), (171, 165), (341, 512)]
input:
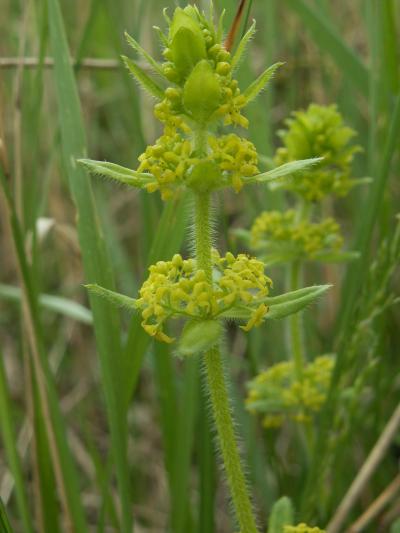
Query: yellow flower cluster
[(168, 161), (177, 289), (237, 158), (319, 131), (169, 111), (171, 162), (279, 395), (302, 528), (304, 238)]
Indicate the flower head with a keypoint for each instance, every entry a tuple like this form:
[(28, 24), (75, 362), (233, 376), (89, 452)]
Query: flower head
[(315, 132), (177, 289), (174, 163), (279, 395), (280, 231)]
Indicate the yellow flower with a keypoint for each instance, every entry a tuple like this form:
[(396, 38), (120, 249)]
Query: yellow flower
[(177, 289), (302, 528), (276, 230), (174, 164), (278, 395)]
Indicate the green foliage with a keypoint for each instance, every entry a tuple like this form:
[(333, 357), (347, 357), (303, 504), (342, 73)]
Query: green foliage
[(282, 513)]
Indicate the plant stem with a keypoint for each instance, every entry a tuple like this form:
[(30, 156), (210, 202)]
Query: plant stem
[(227, 441), (217, 386), (203, 233), (295, 322), (294, 281)]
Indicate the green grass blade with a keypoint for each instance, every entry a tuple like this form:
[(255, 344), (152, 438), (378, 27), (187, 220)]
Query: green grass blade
[(5, 526), (96, 264), (185, 437), (55, 421), (329, 39), (10, 446), (366, 223), (58, 304)]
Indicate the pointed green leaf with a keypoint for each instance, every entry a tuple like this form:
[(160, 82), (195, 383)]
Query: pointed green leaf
[(293, 302), (142, 52), (220, 31), (282, 305), (161, 35), (259, 84), (119, 300), (197, 337), (286, 169), (117, 173), (143, 79), (282, 514), (241, 48)]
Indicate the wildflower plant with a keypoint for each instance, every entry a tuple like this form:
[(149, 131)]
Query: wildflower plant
[(296, 389), (199, 95)]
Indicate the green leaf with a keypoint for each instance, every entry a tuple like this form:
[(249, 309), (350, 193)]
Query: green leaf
[(282, 514), (5, 526), (141, 51), (293, 302), (241, 48), (259, 84), (116, 172), (61, 305), (286, 169), (282, 305), (143, 79), (197, 337), (119, 300)]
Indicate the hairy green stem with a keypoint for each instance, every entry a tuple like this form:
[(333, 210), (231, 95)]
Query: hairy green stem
[(227, 441), (217, 385)]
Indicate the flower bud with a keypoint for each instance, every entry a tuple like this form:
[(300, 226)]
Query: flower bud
[(187, 42), (202, 92)]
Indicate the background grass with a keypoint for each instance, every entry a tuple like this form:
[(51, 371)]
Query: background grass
[(114, 421)]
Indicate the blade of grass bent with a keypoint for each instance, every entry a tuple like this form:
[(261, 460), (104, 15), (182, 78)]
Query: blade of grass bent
[(96, 264)]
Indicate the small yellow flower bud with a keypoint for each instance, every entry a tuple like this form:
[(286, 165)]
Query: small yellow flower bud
[(223, 68)]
